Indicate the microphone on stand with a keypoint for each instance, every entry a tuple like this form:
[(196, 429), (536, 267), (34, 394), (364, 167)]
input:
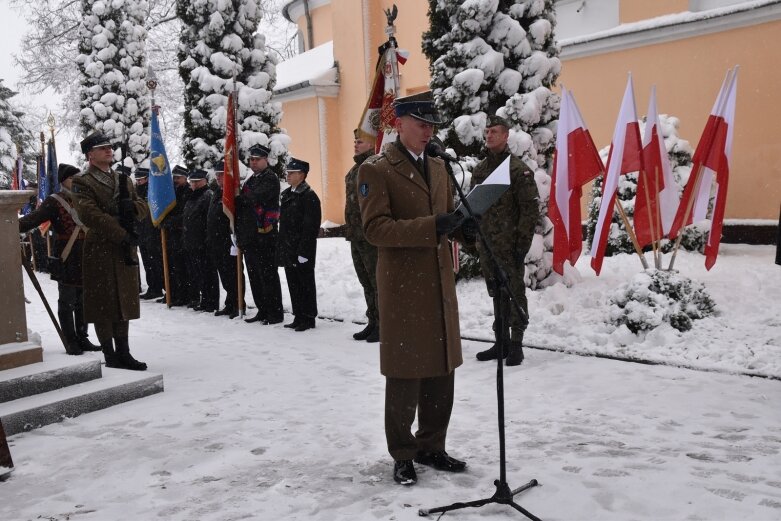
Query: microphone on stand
[(434, 150)]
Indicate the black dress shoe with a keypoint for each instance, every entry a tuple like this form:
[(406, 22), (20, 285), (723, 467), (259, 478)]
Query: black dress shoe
[(374, 336), (149, 295), (516, 354), (86, 345), (440, 461), (306, 323), (364, 333), (225, 311), (404, 472), (294, 324), (257, 318), (273, 320), (161, 300)]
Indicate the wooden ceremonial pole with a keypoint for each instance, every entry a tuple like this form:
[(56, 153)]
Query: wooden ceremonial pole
[(631, 233), (686, 214), (166, 278)]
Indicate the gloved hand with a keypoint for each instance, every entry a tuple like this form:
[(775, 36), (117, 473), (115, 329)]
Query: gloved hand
[(126, 207), (130, 240), (302, 260), (469, 229), (446, 223)]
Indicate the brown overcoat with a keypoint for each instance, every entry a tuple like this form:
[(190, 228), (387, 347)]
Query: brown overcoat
[(420, 336), (110, 286)]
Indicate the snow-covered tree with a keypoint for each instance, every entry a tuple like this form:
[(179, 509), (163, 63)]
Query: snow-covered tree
[(12, 132), (500, 57), (132, 62), (680, 153), (220, 51)]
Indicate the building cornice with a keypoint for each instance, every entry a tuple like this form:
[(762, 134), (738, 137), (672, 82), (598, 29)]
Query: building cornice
[(294, 9), (305, 90), (670, 28)]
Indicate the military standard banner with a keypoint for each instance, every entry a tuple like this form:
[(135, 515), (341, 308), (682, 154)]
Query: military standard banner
[(162, 197)]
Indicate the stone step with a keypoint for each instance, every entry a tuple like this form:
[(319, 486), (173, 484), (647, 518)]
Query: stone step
[(54, 373), (17, 354), (115, 387)]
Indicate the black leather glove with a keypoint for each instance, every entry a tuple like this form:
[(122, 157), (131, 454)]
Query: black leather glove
[(130, 240), (447, 222), (469, 229)]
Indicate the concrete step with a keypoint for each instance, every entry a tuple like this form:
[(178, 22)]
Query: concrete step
[(17, 354), (56, 372), (115, 387)]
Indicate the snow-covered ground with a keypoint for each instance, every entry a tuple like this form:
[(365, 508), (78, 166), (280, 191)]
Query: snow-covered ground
[(259, 422)]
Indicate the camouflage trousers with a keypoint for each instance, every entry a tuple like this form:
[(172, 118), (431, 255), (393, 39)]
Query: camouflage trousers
[(514, 268), (365, 262)]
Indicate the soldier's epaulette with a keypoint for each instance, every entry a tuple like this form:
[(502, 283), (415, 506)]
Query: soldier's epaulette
[(374, 159)]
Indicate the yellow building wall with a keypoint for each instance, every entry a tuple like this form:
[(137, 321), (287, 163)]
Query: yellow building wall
[(687, 74), (635, 10), (301, 121)]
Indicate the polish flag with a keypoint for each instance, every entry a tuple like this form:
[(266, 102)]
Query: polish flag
[(576, 162), (711, 163), (657, 193), (625, 156)]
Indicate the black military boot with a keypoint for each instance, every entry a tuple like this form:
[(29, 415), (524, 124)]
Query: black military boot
[(305, 323), (124, 358), (374, 336), (516, 354), (490, 354), (364, 333), (82, 333), (109, 354), (294, 324), (69, 332)]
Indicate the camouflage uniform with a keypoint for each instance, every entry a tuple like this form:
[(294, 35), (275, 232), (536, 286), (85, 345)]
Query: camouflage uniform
[(364, 254), (509, 227)]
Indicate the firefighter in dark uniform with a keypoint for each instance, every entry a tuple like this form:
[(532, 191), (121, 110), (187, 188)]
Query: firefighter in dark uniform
[(68, 245), (364, 254), (203, 276), (219, 244), (509, 227), (299, 225), (257, 220), (149, 242), (177, 259)]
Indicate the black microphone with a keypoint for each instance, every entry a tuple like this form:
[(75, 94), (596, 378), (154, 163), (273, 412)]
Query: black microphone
[(433, 149)]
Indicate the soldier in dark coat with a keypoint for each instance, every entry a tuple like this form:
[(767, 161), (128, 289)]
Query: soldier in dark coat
[(110, 281), (406, 207), (364, 253), (257, 220), (68, 245), (509, 227), (177, 257), (299, 225), (149, 242), (219, 244), (203, 275)]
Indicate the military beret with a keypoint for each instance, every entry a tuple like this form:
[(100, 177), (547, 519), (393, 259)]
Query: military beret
[(493, 121), (219, 167), (179, 171), (141, 172), (64, 171), (197, 175), (420, 106), (96, 139), (297, 165), (259, 151)]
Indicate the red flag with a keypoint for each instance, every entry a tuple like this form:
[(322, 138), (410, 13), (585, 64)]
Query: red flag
[(231, 176), (711, 159), (378, 118), (576, 162), (625, 156)]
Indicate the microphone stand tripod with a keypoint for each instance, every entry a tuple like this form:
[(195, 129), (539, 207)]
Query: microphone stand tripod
[(502, 298)]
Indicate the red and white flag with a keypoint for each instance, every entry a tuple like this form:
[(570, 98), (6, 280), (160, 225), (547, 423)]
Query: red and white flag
[(626, 155), (576, 162), (231, 176), (378, 118), (711, 162), (657, 192)]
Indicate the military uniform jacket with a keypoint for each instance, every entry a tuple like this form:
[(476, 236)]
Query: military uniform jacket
[(299, 225), (63, 226), (148, 233), (218, 231), (257, 207), (509, 224), (420, 335), (110, 285), (352, 209), (194, 219)]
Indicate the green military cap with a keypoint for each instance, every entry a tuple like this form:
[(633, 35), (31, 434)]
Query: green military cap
[(493, 121)]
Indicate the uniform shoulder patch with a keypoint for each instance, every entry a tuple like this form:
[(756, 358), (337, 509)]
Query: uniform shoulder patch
[(364, 189)]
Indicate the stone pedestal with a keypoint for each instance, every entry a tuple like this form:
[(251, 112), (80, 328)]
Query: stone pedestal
[(13, 326)]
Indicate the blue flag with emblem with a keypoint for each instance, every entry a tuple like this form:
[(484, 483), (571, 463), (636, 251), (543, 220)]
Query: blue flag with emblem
[(161, 195), (43, 184)]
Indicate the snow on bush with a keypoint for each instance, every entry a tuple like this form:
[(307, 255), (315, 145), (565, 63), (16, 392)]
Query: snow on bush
[(654, 297)]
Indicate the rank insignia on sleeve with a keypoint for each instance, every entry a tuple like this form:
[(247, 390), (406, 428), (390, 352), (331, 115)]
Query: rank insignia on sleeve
[(364, 189)]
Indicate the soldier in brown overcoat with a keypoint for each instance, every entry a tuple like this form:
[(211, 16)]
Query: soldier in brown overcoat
[(406, 204), (110, 283)]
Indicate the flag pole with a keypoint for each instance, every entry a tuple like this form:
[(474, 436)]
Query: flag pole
[(631, 233), (43, 156), (658, 220), (235, 163), (686, 214)]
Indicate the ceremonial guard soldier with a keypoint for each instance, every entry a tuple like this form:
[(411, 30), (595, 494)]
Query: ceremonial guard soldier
[(299, 225), (257, 220), (203, 276)]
